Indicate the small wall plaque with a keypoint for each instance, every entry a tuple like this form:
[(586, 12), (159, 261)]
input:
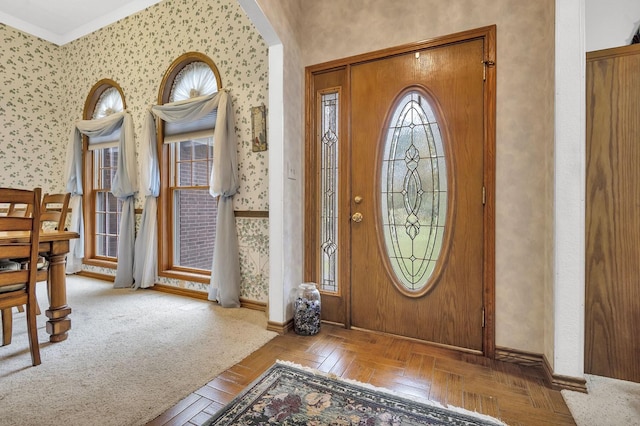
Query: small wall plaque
[(259, 128)]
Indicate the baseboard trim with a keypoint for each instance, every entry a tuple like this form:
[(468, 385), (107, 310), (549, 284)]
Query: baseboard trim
[(560, 382), (96, 275), (194, 294), (253, 304), (280, 328), (244, 303), (531, 359), (516, 356)]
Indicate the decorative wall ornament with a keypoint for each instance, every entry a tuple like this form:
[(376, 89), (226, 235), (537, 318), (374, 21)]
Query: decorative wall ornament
[(259, 128)]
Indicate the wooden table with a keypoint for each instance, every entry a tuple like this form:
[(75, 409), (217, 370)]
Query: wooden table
[(54, 246)]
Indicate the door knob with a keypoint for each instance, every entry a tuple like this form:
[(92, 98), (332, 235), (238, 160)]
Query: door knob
[(357, 199), (357, 217)]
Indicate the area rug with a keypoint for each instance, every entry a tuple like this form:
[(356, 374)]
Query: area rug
[(288, 394)]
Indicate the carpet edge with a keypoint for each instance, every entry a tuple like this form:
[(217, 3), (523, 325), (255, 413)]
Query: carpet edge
[(231, 364)]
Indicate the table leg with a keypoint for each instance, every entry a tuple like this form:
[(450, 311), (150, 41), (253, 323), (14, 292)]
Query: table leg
[(58, 323), (7, 324)]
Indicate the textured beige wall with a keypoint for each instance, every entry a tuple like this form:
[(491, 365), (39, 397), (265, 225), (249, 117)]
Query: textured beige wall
[(333, 29), (285, 18)]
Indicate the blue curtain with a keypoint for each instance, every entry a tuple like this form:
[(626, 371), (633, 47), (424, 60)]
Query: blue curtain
[(225, 271), (145, 258), (123, 187)]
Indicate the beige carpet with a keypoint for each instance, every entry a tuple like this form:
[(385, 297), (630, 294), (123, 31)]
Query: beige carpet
[(130, 356), (609, 402)]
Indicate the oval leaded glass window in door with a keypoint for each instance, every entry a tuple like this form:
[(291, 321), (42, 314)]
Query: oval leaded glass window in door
[(413, 189)]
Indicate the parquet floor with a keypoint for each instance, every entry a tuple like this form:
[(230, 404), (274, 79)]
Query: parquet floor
[(517, 395)]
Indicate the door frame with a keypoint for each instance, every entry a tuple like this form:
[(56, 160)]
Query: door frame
[(341, 304)]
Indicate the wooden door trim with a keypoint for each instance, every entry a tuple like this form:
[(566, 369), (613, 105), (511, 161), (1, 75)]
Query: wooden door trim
[(490, 186), (488, 35), (311, 185)]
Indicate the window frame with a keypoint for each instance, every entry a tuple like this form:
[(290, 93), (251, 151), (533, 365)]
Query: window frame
[(88, 182), (166, 268)]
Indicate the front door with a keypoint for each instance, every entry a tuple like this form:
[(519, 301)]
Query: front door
[(413, 180)]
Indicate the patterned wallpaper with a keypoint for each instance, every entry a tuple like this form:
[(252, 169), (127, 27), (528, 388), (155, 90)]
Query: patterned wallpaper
[(45, 87), (30, 119), (136, 51)]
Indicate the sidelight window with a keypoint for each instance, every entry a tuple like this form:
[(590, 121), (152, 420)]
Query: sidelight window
[(329, 190)]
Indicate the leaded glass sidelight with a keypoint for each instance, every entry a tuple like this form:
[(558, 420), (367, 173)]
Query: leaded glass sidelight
[(413, 189), (329, 191)]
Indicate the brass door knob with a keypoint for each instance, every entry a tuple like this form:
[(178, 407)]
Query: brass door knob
[(357, 217), (357, 199)]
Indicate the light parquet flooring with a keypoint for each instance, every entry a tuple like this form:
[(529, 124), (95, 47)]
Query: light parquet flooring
[(517, 395)]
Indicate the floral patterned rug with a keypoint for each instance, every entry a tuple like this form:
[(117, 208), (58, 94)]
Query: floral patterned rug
[(288, 394)]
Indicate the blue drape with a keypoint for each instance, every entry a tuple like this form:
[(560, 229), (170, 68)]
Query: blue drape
[(225, 272), (123, 187)]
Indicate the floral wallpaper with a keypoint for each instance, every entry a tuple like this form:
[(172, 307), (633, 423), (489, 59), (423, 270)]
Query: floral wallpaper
[(253, 236), (136, 52), (30, 123), (45, 88)]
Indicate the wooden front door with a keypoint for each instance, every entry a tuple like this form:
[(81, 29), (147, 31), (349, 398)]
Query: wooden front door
[(417, 163), (417, 237)]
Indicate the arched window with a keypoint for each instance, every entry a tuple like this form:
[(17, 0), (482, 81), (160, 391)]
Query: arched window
[(187, 212), (102, 210)]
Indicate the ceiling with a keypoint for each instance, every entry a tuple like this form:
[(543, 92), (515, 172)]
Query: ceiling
[(62, 21)]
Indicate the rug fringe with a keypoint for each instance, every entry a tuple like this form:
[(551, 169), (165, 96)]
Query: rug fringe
[(391, 392)]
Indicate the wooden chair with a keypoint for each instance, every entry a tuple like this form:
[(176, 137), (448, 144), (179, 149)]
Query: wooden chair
[(53, 213), (54, 210), (18, 287), (19, 210)]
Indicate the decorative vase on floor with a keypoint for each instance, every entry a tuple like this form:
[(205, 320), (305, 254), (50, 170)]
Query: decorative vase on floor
[(306, 315)]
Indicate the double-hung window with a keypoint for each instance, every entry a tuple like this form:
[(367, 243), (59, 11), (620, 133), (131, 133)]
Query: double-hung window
[(187, 211), (102, 209)]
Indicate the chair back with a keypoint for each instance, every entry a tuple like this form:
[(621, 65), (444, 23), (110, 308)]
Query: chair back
[(17, 287), (19, 210), (54, 210)]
